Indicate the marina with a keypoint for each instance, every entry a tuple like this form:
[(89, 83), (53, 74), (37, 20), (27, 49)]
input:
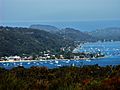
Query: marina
[(110, 49)]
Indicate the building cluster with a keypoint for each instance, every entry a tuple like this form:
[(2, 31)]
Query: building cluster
[(42, 57), (46, 56), (15, 58), (87, 55)]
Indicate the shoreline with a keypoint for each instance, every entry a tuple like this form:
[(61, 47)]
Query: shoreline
[(50, 60)]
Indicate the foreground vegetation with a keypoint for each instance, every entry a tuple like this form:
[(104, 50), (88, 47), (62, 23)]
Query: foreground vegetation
[(64, 78)]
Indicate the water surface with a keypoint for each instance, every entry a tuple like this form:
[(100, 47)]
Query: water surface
[(110, 49)]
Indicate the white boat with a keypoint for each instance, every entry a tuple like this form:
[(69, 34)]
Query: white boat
[(88, 60), (21, 64), (59, 65), (28, 63), (51, 63), (67, 61), (34, 62), (73, 64), (56, 61)]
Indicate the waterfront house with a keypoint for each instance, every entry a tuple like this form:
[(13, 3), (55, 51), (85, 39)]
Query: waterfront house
[(12, 58)]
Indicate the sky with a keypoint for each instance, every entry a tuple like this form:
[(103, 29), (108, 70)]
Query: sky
[(58, 10)]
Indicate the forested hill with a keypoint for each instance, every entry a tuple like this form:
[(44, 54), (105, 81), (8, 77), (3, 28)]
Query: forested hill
[(69, 33), (48, 28), (75, 35), (18, 41), (106, 34)]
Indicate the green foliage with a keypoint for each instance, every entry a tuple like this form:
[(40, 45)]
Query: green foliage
[(8, 81), (76, 35), (26, 41), (64, 78)]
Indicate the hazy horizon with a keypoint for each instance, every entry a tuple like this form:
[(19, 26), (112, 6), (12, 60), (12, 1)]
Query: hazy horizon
[(80, 25), (79, 14), (58, 11)]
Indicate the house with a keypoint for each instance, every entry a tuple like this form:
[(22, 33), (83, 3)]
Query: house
[(76, 57), (12, 58)]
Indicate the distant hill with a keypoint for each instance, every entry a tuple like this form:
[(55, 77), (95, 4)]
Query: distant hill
[(18, 41), (68, 33), (106, 34), (48, 28), (75, 35)]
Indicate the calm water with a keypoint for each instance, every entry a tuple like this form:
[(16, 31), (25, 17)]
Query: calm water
[(110, 49)]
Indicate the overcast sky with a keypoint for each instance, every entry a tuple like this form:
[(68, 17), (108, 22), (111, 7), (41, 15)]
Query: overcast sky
[(58, 10)]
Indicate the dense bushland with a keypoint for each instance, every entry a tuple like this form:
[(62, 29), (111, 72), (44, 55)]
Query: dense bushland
[(64, 78)]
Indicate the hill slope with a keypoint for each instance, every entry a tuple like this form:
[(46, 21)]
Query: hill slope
[(106, 34), (48, 28), (18, 41), (75, 35)]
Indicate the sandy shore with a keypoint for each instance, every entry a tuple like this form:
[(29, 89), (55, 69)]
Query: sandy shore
[(21, 61), (50, 59), (33, 60)]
